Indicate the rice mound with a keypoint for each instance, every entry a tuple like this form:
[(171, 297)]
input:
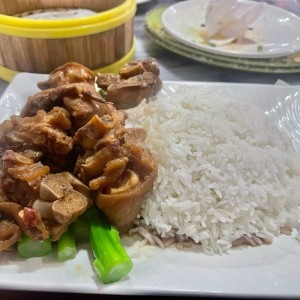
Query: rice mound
[(225, 172)]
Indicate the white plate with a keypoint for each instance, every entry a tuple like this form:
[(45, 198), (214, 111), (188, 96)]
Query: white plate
[(142, 1), (269, 270), (275, 33)]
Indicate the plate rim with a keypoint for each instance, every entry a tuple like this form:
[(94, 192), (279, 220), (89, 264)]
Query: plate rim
[(142, 1)]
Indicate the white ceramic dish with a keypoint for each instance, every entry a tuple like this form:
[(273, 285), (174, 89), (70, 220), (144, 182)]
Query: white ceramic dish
[(269, 270), (275, 33), (142, 1)]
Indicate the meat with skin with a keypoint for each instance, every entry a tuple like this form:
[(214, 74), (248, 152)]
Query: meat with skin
[(29, 174), (67, 208), (129, 93), (70, 72), (59, 197), (47, 99), (28, 219), (63, 209), (69, 196), (112, 171), (56, 229), (92, 166), (118, 166), (122, 206), (136, 81), (99, 139), (80, 100), (45, 132), (139, 67), (62, 198), (10, 233), (90, 134), (122, 201), (53, 186), (82, 110), (20, 174), (70, 149), (104, 80)]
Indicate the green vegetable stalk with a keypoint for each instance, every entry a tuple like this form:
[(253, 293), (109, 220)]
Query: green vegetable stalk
[(111, 262), (66, 246), (29, 248), (80, 229)]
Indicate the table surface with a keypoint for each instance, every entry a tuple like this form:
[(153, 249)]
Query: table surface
[(173, 67)]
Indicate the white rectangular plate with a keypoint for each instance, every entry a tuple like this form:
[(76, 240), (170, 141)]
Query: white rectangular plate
[(269, 270)]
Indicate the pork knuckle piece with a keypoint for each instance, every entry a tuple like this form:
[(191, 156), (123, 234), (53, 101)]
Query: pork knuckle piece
[(40, 196), (117, 165), (19, 181), (54, 186), (10, 233), (70, 72), (129, 93), (104, 80), (90, 134), (121, 175), (62, 198), (138, 67), (47, 99), (80, 100), (71, 126), (20, 177), (136, 81), (112, 171), (28, 219), (69, 207), (45, 132), (68, 195), (82, 111), (122, 205)]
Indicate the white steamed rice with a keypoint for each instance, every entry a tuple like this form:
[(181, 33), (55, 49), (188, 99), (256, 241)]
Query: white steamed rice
[(225, 172)]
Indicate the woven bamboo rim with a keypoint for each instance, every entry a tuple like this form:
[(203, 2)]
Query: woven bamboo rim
[(8, 74)]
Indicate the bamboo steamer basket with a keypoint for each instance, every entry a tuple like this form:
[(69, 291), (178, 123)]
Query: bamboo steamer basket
[(103, 42)]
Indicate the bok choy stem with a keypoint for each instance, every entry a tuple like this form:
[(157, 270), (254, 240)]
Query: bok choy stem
[(30, 248), (66, 246), (111, 261)]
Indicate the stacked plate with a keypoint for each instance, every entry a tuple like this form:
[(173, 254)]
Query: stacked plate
[(274, 46), (142, 1)]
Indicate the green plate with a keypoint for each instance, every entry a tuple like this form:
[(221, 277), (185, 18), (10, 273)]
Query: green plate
[(154, 27)]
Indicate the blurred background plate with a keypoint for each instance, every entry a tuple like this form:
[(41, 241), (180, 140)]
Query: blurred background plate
[(142, 1), (154, 27), (274, 33)]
